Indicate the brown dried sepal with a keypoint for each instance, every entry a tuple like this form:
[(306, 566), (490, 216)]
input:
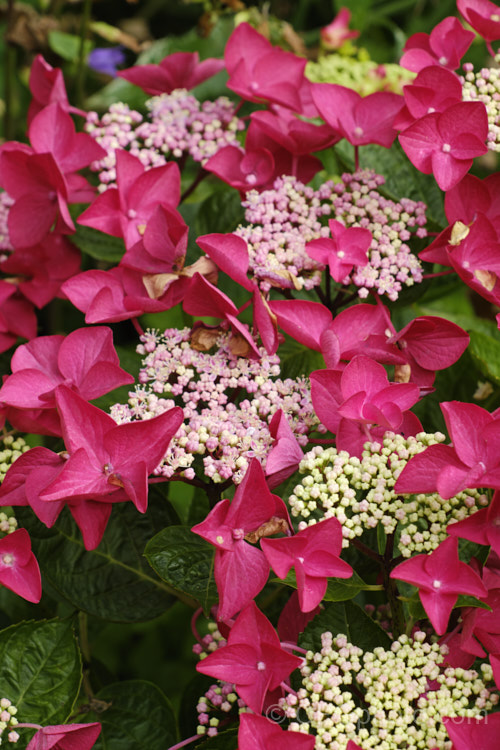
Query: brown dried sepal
[(203, 337), (274, 526), (402, 373)]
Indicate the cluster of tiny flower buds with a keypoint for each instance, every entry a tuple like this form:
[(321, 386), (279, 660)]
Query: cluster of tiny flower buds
[(284, 219), (357, 202), (177, 124), (225, 433), (484, 86), (10, 449), (5, 245), (359, 73), (8, 721), (280, 223), (405, 693), (359, 492), (220, 698)]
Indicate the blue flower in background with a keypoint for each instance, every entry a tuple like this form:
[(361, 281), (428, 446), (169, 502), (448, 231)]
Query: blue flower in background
[(106, 59)]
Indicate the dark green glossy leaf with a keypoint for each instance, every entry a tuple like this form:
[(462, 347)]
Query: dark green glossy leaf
[(138, 716), (185, 561), (98, 245), (113, 581), (350, 620), (40, 670), (220, 212)]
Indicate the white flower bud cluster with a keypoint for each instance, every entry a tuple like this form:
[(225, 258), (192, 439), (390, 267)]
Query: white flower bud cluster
[(484, 86), (385, 699), (359, 492), (10, 449), (8, 721)]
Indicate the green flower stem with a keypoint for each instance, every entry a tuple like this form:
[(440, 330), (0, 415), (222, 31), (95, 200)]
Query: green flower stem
[(82, 64)]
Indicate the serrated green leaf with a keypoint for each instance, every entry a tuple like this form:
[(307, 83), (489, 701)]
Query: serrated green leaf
[(350, 620), (485, 351), (139, 716), (114, 581), (337, 590), (98, 245), (185, 561), (40, 670)]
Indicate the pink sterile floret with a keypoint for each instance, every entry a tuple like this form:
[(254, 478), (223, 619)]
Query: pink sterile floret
[(241, 569), (315, 554), (252, 660), (19, 569), (260, 733), (445, 45), (446, 144), (65, 737), (181, 70), (440, 577)]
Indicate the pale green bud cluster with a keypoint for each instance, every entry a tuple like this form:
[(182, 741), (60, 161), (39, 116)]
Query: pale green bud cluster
[(8, 721), (385, 699), (10, 449), (484, 86), (359, 73), (359, 492)]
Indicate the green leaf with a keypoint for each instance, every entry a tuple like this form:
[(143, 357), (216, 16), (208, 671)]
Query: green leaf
[(337, 590), (40, 670), (113, 581), (296, 360), (138, 716), (220, 212), (67, 45), (485, 351), (350, 620), (185, 561), (98, 245)]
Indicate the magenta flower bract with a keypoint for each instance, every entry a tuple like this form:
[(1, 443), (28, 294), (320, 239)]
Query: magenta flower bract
[(253, 659), (467, 733), (440, 577), (260, 72), (259, 733), (65, 737), (472, 460), (124, 211), (241, 570), (445, 45), (361, 120), (105, 458), (446, 144), (19, 569), (345, 249), (337, 32), (483, 16), (314, 553), (180, 70)]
